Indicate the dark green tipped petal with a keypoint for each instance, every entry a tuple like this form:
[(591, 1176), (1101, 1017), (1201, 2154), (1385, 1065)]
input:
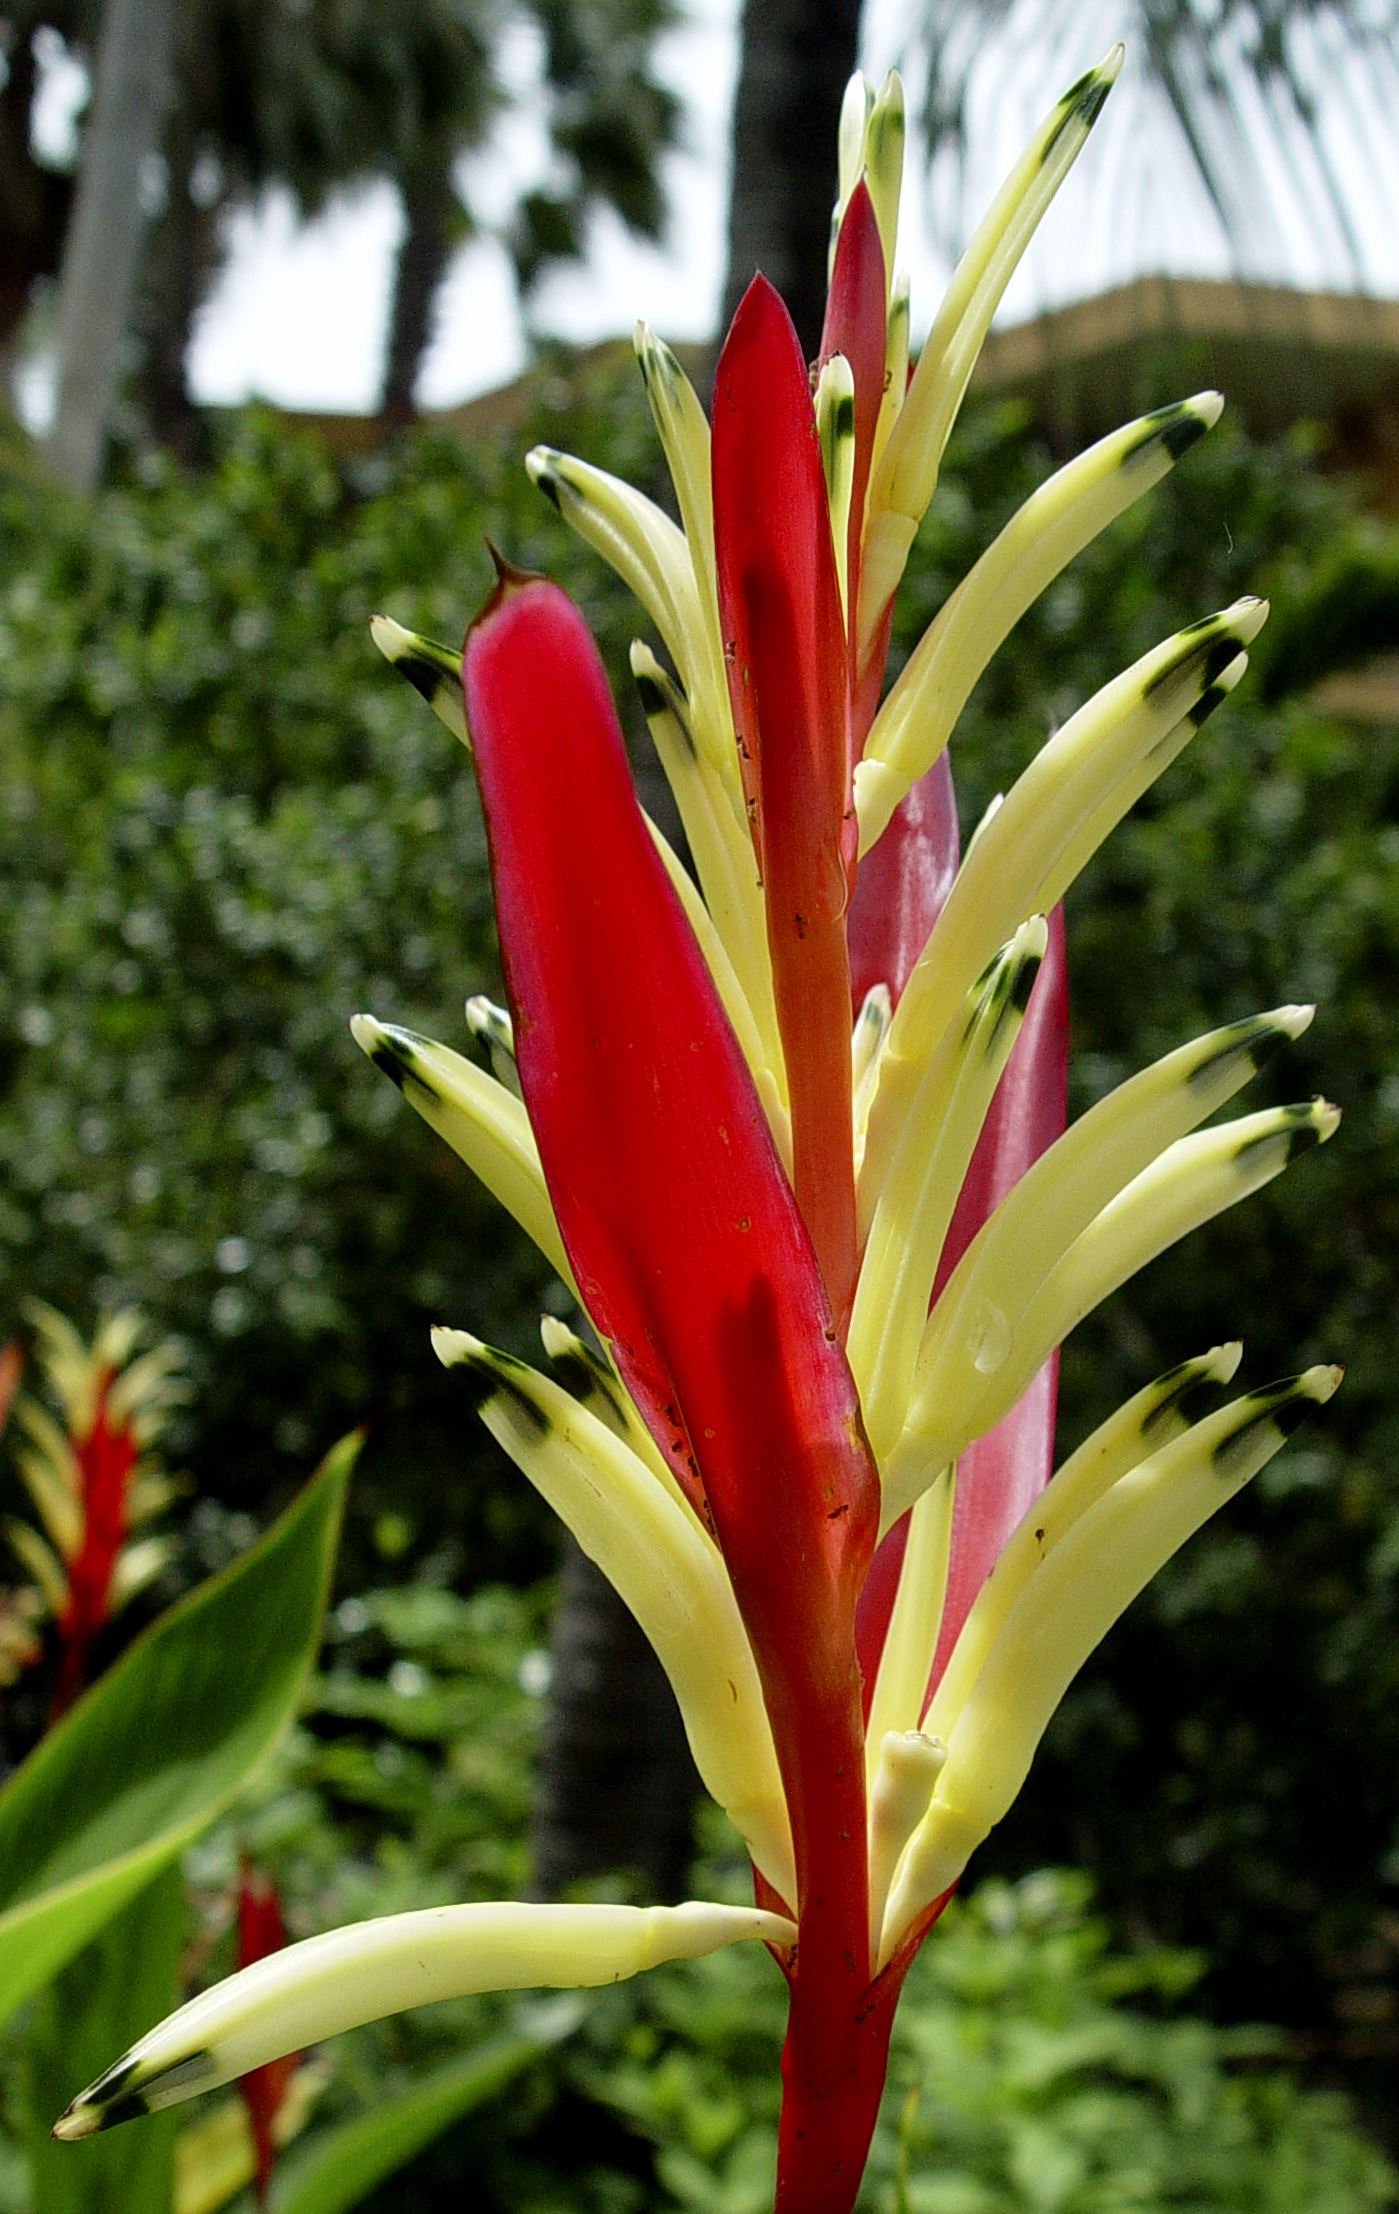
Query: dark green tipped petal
[(652, 698), (1082, 104), (434, 671), (1206, 704), (1187, 1392), (1270, 1416), (1240, 1049), (1174, 429), (1297, 1128), (395, 1051), (1023, 982), (1205, 649), (493, 1375), (587, 1377), (117, 2097)]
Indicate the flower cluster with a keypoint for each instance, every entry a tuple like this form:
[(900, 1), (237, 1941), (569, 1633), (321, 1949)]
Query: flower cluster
[(93, 1478), (792, 1131)]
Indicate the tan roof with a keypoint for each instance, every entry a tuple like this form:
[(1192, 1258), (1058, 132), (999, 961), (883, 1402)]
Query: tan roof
[(1279, 356)]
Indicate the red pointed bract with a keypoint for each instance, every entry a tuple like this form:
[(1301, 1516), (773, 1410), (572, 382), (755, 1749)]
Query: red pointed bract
[(679, 1223), (1002, 1474), (784, 646), (105, 1459), (903, 885), (856, 325), (901, 890)]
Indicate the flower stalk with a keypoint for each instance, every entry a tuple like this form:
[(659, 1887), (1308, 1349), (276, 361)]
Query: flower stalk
[(792, 1132)]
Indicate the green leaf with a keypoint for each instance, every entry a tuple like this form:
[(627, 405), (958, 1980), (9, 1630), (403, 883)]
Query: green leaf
[(342, 2167), (108, 1995), (161, 1744)]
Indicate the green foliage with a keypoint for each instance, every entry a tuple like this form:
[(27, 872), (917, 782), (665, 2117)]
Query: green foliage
[(147, 1759), (342, 2166), (1032, 2070), (107, 1996)]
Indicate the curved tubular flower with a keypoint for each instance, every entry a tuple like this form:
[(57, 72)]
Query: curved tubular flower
[(827, 1269)]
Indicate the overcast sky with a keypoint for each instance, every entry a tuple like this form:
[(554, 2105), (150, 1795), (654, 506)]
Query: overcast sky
[(299, 315)]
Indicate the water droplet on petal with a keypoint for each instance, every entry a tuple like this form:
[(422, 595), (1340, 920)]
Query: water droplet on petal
[(988, 1340)]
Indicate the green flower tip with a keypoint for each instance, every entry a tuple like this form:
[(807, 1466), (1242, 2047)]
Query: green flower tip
[(542, 465), (392, 640)]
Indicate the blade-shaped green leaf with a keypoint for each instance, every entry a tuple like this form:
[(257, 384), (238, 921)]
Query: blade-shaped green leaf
[(114, 1990), (341, 2167), (155, 1750)]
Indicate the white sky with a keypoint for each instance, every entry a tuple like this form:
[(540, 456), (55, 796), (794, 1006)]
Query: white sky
[(300, 312)]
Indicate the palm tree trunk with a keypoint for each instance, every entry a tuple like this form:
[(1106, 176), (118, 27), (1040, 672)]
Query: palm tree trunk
[(796, 58), (34, 202), (100, 252), (181, 257), (616, 1787), (431, 212)]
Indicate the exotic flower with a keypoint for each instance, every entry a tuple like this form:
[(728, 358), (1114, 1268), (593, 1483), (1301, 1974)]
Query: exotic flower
[(828, 1274), (92, 1477)]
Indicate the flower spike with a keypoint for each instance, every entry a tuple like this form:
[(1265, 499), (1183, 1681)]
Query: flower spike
[(91, 1478), (792, 1130)]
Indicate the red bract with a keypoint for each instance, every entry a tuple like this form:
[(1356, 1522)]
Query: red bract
[(105, 1458), (854, 328), (785, 654), (1000, 1475), (682, 1231), (261, 1932)]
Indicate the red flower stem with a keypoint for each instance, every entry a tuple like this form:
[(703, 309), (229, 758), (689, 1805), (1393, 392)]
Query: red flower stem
[(833, 2071)]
